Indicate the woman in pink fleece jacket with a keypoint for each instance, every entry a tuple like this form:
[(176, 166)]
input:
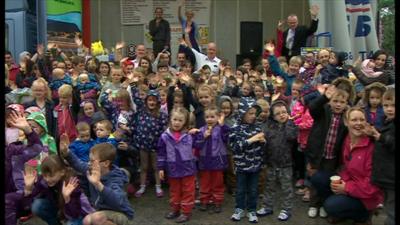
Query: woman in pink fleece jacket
[(354, 197)]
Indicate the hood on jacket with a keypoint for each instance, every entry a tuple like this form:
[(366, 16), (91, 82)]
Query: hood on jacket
[(17, 107), (40, 119), (245, 104), (154, 93), (225, 98)]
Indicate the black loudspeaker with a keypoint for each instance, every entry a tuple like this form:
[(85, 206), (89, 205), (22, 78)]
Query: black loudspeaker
[(251, 37)]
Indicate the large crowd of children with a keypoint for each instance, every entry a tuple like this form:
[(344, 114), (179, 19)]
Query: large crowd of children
[(82, 136)]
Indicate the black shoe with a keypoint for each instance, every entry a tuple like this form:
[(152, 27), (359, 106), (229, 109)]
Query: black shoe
[(203, 207), (172, 215), (211, 208), (217, 209)]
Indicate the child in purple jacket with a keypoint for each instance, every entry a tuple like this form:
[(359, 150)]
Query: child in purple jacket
[(211, 140), (18, 153), (175, 157), (55, 196)]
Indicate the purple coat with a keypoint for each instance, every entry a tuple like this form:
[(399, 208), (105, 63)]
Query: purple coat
[(17, 154), (176, 157), (213, 154), (77, 207)]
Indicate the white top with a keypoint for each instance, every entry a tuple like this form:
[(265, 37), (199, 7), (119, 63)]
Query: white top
[(202, 60)]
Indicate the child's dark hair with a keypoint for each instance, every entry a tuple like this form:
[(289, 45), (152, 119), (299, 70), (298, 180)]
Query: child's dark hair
[(105, 151), (278, 103), (180, 111), (376, 86), (53, 164)]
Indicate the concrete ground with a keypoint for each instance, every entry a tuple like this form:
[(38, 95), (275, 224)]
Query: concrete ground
[(150, 210)]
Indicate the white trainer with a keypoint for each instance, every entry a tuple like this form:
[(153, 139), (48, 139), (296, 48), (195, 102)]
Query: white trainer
[(312, 212)]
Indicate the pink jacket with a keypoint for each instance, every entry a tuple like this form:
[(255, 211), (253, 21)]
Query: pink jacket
[(356, 173), (303, 120)]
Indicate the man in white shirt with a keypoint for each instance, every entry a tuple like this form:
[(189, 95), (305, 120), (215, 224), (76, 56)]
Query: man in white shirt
[(210, 59)]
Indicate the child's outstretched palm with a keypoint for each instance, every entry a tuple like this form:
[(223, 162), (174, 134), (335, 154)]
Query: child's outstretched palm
[(94, 174), (18, 121), (30, 177), (69, 187)]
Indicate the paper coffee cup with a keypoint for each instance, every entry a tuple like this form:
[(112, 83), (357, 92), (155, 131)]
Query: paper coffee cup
[(335, 179)]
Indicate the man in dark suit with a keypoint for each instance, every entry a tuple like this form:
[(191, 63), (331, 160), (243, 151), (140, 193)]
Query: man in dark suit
[(296, 36)]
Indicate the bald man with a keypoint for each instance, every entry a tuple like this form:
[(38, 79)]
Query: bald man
[(295, 37), (210, 59)]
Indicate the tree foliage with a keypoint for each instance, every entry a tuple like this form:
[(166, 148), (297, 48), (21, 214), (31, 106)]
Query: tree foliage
[(387, 16)]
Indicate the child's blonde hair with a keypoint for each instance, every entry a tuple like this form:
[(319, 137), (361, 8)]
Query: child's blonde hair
[(204, 88), (180, 111), (124, 95), (42, 81), (263, 103), (106, 123), (389, 95), (58, 73), (296, 60), (65, 90), (83, 75), (82, 126)]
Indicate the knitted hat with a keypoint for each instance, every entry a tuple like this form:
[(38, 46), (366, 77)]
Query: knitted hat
[(39, 118), (17, 107), (33, 109)]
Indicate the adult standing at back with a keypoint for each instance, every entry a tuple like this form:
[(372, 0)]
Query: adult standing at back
[(210, 59), (189, 26), (160, 32), (295, 36)]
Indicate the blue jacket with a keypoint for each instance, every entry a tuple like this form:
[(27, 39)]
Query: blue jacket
[(88, 86), (213, 154), (147, 128), (247, 157), (82, 149), (276, 69), (176, 157), (380, 116), (330, 72), (56, 84), (113, 197)]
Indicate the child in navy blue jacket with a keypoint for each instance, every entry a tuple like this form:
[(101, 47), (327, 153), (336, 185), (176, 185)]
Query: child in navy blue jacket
[(247, 140), (81, 146), (149, 123)]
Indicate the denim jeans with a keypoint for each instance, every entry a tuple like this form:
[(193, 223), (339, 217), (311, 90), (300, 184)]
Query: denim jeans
[(346, 207), (322, 183), (46, 210), (246, 190)]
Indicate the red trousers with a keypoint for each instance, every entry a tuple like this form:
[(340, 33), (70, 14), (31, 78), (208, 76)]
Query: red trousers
[(182, 193), (211, 186)]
